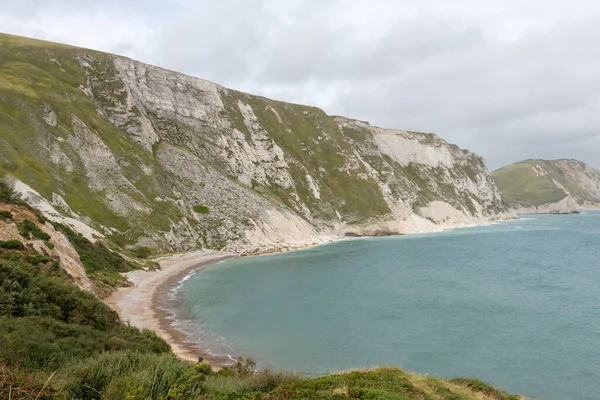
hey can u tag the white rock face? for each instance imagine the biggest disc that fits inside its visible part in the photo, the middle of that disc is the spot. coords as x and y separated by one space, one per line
35 200
406 147
565 206
49 115
439 212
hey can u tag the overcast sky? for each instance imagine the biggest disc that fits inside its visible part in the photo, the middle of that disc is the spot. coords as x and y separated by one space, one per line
508 79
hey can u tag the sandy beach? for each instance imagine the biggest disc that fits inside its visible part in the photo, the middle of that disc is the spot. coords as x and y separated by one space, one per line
136 305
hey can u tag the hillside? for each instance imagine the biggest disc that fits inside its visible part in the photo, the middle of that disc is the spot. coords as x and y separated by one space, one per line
59 341
559 186
156 161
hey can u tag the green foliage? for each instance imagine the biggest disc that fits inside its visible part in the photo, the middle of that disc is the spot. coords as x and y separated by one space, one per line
28 229
40 258
142 252
520 184
5 214
12 245
201 209
379 383
42 343
102 265
46 321
133 375
7 195
42 290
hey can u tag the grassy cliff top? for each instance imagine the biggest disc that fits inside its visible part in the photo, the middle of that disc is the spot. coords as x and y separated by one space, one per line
520 183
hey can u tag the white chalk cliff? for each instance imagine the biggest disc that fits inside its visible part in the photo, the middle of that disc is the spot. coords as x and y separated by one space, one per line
148 157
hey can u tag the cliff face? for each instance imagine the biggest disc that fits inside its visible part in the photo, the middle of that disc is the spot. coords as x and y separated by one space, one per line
554 187
153 158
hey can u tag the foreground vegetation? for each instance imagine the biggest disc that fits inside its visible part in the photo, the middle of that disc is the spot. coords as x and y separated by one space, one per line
58 341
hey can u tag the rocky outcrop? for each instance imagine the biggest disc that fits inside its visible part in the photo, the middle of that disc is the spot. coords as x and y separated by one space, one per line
154 158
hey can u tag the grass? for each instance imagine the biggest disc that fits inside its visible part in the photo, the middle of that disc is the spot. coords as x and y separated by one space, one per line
30 79
520 184
131 375
201 209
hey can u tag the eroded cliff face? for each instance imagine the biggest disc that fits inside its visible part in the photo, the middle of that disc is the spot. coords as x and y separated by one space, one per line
153 158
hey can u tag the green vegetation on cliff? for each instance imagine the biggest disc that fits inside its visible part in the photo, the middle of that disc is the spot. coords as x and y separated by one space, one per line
521 184
537 182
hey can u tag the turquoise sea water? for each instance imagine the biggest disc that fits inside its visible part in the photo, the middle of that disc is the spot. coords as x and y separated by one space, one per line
516 304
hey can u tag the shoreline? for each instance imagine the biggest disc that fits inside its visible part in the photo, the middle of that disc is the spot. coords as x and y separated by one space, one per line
139 304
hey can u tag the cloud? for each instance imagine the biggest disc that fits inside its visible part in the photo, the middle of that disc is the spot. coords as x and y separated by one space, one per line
507 79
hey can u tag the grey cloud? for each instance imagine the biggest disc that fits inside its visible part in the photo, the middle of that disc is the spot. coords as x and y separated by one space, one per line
506 79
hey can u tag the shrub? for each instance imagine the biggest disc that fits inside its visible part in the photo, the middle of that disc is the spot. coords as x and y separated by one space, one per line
46 321
5 215
96 257
7 195
201 209
12 245
40 258
45 343
142 252
23 292
27 229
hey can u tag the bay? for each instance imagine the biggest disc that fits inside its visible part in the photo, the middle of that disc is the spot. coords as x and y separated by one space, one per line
516 304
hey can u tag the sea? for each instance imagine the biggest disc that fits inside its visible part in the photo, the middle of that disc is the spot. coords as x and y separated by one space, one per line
515 304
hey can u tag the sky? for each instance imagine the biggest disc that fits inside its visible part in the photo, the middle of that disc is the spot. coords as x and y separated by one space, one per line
507 79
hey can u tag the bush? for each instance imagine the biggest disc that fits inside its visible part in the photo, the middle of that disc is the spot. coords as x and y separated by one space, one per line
7 195
46 321
25 293
28 229
48 344
201 209
5 215
12 245
96 257
142 252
